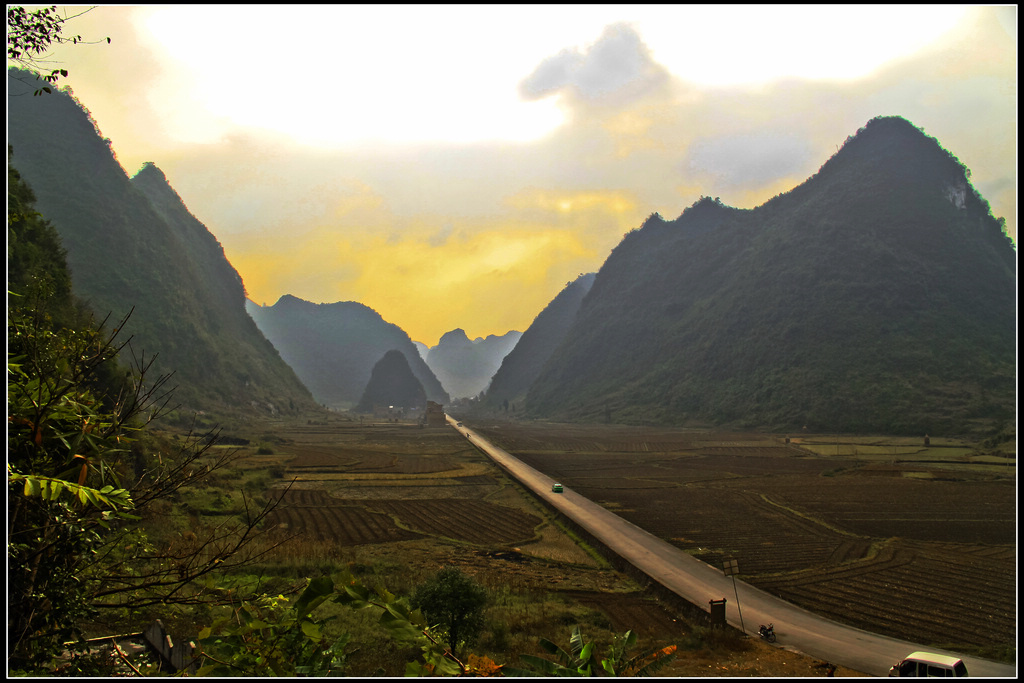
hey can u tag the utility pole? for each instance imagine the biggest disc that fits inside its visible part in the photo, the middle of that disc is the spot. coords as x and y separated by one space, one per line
732 568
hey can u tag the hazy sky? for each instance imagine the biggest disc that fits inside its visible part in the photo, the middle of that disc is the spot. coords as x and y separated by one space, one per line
455 166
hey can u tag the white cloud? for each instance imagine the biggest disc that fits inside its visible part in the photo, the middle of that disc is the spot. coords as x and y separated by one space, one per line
748 158
617 67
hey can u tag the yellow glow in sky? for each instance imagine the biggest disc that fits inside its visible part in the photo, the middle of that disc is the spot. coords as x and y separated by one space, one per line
454 166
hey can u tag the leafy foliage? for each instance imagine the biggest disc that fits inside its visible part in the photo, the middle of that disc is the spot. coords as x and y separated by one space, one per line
35 257
455 603
265 637
582 659
62 439
31 34
271 638
79 477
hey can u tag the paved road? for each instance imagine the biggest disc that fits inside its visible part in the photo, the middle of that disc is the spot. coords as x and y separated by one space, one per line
699 583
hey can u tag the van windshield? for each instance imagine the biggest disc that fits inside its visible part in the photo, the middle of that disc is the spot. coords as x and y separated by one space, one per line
959 669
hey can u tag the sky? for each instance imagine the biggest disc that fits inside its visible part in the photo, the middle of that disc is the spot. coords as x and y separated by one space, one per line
457 166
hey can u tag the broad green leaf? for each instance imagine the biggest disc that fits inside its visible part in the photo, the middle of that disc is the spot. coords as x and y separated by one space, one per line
31 486
358 592
311 630
318 590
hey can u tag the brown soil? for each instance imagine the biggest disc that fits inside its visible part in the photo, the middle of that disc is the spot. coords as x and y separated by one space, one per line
916 546
421 498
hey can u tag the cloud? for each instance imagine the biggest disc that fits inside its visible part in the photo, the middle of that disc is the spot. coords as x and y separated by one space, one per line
617 68
749 158
432 233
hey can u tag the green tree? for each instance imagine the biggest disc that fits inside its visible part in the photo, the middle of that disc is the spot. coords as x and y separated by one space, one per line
30 35
269 637
455 602
78 475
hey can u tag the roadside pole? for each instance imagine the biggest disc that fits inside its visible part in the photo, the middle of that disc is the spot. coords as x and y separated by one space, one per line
732 568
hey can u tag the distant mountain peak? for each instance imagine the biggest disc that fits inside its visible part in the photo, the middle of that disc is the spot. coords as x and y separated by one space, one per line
897 147
456 336
465 367
392 384
150 169
334 346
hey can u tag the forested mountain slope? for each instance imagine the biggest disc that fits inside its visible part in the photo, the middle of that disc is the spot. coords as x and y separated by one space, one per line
132 244
334 347
877 296
523 364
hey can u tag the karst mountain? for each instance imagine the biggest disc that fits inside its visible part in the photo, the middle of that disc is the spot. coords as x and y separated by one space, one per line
465 366
877 296
392 386
334 347
133 246
524 363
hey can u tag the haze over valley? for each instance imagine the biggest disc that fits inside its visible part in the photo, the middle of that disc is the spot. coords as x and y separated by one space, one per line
459 162
840 301
302 352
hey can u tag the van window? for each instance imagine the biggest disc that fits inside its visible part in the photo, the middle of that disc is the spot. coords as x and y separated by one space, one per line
909 669
939 671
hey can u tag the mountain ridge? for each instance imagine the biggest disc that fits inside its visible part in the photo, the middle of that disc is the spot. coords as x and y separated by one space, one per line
825 306
132 245
333 347
523 364
465 367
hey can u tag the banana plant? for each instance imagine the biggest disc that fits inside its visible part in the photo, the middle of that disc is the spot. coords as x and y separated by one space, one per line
582 659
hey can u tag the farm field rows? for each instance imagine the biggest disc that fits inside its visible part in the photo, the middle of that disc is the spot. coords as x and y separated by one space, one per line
884 540
396 495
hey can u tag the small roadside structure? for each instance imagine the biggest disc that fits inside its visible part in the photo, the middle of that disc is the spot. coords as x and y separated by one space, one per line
434 415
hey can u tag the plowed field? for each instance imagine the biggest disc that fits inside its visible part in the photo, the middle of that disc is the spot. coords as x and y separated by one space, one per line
902 540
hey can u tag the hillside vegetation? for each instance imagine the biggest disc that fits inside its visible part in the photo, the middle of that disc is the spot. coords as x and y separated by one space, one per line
133 246
523 364
878 296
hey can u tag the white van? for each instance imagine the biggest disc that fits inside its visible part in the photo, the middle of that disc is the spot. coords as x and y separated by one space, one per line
921 664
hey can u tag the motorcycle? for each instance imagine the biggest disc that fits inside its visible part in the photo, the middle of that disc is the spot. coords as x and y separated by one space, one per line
767 632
